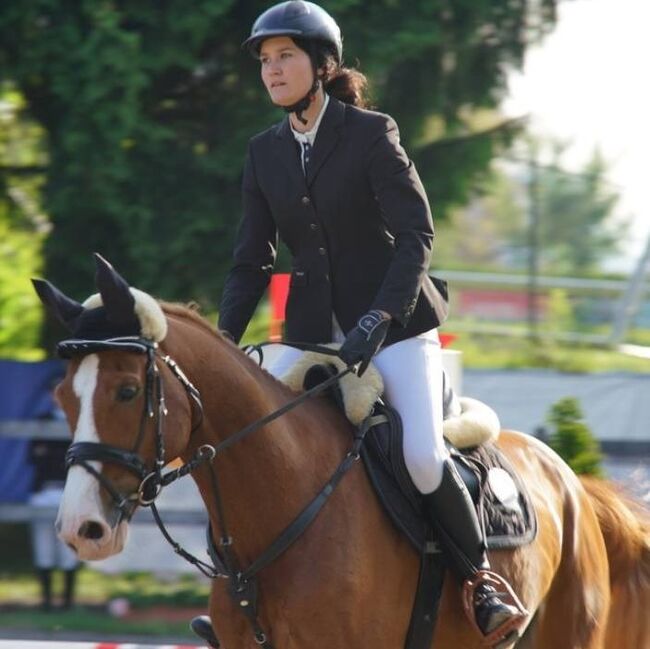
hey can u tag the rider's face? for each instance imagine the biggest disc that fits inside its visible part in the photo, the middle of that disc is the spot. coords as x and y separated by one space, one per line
286 70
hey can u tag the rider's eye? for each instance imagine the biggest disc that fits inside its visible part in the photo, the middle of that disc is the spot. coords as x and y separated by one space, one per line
127 392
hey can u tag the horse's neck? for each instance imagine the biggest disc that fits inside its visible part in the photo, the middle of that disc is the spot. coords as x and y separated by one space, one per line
268 477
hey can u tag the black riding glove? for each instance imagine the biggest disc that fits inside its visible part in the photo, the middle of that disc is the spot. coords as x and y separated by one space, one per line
364 341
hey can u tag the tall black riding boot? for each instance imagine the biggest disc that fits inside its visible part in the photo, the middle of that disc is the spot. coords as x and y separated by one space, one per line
45 580
202 626
69 581
453 516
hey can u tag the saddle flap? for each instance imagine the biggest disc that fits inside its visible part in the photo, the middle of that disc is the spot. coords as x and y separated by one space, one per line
506 525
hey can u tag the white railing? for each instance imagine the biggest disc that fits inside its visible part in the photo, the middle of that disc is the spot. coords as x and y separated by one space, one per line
47 429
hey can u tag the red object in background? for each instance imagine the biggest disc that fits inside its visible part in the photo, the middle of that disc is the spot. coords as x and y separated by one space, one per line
503 306
446 339
278 293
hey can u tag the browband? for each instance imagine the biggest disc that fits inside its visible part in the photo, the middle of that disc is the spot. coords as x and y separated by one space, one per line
75 347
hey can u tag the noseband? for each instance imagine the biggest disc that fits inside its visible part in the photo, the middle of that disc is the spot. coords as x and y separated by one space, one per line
152 479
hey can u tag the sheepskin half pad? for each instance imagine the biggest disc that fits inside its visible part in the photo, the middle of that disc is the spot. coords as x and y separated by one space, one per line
476 424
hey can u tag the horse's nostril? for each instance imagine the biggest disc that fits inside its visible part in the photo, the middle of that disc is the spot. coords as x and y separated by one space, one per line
91 530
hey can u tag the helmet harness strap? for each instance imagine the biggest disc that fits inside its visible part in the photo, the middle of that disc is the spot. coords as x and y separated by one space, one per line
303 104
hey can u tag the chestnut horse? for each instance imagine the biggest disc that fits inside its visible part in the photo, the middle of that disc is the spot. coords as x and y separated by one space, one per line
348 581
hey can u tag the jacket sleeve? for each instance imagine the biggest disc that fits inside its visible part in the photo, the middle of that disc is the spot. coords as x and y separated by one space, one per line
405 208
253 257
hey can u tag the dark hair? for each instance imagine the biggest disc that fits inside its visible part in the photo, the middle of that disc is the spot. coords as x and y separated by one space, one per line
348 85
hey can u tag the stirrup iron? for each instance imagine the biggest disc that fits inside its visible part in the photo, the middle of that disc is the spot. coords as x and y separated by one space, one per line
506 631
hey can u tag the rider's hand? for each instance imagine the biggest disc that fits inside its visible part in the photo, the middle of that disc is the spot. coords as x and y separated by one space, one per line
364 341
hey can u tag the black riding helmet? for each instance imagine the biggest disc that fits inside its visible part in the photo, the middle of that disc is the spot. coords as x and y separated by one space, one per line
306 23
296 18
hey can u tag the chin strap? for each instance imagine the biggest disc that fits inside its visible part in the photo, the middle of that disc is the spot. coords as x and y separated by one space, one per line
303 104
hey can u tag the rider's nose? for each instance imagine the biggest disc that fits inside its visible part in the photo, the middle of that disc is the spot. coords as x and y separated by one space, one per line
93 530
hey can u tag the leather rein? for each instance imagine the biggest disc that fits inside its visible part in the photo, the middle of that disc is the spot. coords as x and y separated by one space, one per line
242 582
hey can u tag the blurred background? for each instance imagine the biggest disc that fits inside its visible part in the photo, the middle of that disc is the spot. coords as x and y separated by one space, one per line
123 128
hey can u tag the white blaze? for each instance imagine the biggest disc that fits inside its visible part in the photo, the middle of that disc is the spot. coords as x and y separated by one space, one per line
81 495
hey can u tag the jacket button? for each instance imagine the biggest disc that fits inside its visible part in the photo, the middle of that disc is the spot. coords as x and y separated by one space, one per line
322 251
305 200
313 226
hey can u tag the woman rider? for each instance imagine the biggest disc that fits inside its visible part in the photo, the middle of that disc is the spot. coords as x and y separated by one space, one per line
334 182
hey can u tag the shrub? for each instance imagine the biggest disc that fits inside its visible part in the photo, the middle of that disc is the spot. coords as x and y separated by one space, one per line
572 439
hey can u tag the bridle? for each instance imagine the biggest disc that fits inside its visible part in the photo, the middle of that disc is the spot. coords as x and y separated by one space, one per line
152 479
243 581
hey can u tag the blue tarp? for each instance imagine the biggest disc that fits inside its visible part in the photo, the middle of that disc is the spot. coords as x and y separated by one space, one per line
25 393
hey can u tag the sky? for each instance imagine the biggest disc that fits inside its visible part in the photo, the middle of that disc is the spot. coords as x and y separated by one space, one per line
589 82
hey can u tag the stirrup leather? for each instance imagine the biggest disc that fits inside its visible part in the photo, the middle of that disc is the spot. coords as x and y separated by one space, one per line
506 595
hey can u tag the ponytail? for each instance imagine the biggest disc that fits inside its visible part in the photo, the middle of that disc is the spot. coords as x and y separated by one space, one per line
345 84
349 86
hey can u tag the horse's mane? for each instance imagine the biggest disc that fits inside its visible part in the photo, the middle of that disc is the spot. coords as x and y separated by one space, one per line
191 312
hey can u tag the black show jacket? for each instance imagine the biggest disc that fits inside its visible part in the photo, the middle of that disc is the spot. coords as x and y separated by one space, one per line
358 227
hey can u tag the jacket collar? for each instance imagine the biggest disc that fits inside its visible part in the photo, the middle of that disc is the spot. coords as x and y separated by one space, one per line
329 133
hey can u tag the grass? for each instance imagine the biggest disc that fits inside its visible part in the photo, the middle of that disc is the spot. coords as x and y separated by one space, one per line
92 621
489 352
178 598
171 604
95 588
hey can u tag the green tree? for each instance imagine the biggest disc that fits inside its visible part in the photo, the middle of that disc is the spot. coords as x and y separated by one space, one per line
478 234
576 228
147 109
572 440
22 227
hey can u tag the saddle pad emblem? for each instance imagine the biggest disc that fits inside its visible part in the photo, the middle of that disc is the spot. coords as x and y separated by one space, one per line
504 489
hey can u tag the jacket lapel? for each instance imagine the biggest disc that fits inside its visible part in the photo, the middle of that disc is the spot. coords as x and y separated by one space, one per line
329 133
288 152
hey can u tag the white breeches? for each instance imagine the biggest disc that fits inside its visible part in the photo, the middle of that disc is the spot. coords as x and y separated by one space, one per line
412 374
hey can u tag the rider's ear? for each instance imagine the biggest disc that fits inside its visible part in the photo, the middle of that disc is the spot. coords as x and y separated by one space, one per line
64 309
116 296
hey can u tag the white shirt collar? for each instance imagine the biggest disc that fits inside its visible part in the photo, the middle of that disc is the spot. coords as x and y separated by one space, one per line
310 135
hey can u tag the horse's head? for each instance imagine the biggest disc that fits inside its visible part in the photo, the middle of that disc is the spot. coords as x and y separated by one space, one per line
115 397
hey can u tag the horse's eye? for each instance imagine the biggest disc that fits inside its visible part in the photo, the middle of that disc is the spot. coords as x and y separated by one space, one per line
127 392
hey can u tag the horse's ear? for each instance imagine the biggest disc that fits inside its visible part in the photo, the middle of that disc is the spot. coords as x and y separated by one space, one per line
64 309
116 296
